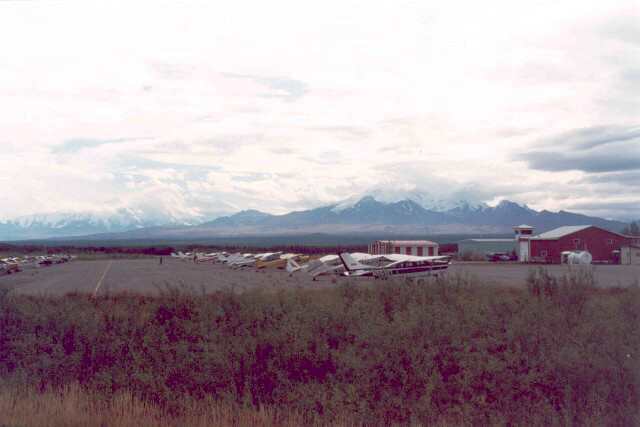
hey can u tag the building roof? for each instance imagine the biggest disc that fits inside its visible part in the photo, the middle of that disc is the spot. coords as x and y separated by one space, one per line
489 240
560 232
409 242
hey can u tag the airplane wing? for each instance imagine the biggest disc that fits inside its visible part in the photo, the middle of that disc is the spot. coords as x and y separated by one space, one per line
324 269
399 259
414 258
328 258
351 263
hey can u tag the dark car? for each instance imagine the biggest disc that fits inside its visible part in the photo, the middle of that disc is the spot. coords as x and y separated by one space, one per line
498 256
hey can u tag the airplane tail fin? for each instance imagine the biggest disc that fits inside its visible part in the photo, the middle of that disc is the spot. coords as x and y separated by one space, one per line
292 266
351 264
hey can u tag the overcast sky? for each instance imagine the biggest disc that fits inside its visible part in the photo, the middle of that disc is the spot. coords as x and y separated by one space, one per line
200 107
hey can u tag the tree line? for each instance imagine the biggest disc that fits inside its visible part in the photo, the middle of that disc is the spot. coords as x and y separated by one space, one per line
633 229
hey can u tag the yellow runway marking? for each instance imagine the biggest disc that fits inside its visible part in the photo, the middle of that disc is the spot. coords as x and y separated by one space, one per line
106 270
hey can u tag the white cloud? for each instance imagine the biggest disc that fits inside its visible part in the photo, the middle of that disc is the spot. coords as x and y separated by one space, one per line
205 107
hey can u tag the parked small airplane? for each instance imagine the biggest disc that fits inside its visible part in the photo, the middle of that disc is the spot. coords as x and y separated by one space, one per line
45 262
182 256
240 260
8 267
292 266
268 256
281 262
400 265
200 257
329 264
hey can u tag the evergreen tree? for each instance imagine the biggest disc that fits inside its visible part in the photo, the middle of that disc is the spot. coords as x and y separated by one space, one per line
633 229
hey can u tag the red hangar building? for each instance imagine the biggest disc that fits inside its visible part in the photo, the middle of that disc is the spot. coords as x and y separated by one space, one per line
405 247
600 243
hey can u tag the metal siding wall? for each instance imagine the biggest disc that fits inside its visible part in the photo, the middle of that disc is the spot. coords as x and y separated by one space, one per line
633 256
553 251
593 240
486 247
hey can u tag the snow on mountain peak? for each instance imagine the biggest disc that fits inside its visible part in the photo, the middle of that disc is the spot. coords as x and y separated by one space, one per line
106 220
424 199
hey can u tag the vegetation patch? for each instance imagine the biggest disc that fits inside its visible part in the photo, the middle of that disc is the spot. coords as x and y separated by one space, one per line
448 351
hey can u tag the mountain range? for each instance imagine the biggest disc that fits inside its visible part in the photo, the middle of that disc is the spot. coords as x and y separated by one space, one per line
61 224
359 215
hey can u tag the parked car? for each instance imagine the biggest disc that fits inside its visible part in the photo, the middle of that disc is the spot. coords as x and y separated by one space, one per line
499 256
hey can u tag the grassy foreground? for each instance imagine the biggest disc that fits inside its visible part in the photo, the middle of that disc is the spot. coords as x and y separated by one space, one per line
441 352
72 407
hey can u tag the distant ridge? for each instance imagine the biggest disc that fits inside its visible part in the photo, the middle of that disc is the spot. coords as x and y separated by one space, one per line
62 224
368 215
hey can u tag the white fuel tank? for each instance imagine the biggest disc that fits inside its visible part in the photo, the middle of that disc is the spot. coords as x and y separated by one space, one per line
580 257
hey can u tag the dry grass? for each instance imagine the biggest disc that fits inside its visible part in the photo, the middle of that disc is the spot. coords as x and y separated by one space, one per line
72 406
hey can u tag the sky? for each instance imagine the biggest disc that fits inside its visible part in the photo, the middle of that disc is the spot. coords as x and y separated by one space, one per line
207 108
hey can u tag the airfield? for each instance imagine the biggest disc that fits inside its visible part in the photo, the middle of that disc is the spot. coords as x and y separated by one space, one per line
147 275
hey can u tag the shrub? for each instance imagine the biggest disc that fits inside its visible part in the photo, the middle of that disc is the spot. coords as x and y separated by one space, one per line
446 351
471 256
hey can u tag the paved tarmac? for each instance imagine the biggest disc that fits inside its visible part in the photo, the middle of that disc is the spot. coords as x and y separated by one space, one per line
147 275
514 274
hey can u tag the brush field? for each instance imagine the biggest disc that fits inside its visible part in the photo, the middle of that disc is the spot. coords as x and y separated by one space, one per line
558 352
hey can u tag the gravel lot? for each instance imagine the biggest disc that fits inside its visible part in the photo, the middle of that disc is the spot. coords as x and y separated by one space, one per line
514 274
146 275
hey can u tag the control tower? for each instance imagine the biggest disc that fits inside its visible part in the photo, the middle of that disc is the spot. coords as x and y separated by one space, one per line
523 234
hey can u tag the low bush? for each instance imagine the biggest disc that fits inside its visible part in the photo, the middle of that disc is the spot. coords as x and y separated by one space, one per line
471 256
440 351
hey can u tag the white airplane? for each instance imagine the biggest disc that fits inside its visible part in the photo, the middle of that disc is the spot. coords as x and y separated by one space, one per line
399 265
45 261
292 266
207 257
182 256
247 262
240 260
8 266
325 265
269 256
221 257
226 258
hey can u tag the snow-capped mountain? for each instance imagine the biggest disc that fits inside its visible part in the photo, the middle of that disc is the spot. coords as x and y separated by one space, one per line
429 201
41 226
416 214
242 218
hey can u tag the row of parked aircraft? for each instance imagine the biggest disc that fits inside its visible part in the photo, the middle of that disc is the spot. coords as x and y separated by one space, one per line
17 264
345 264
